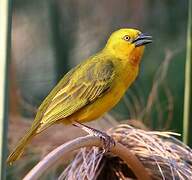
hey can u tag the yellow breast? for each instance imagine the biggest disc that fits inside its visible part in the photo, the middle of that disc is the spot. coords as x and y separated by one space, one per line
108 100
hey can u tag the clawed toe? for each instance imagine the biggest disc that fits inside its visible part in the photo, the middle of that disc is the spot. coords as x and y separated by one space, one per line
108 141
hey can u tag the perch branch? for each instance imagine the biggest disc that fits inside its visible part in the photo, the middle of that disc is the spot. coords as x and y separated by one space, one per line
66 149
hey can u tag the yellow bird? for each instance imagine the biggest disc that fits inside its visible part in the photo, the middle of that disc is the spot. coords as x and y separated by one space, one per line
90 89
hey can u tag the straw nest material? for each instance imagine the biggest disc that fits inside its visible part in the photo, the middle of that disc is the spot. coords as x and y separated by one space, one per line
163 156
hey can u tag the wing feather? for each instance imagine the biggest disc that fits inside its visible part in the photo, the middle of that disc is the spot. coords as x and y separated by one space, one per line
84 89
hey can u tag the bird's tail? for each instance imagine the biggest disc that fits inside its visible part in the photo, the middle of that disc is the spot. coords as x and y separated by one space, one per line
18 151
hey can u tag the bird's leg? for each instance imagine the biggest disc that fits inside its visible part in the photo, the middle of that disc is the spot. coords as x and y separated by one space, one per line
108 141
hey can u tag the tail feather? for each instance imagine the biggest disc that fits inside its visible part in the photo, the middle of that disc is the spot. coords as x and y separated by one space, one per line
18 151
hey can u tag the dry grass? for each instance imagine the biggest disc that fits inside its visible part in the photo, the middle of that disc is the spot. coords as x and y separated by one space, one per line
163 156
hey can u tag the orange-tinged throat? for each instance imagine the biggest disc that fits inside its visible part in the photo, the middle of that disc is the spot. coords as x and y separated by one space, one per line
136 55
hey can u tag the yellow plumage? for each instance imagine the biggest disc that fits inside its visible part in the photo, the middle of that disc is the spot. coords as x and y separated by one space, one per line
91 88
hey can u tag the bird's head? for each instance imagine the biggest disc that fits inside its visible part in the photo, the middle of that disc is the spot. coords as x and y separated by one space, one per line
128 44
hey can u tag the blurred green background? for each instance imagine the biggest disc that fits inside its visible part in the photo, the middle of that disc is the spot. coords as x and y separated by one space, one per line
50 37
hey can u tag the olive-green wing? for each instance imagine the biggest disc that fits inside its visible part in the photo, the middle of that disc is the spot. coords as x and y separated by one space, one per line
45 104
86 85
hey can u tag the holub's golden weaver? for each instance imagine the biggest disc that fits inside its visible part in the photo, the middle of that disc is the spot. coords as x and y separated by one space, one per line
92 88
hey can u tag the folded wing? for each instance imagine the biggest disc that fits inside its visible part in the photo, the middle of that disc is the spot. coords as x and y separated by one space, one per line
85 85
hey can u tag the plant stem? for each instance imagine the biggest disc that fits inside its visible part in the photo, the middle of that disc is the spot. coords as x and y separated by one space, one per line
63 153
5 38
187 117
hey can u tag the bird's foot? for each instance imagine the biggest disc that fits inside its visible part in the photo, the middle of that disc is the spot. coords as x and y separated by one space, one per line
108 141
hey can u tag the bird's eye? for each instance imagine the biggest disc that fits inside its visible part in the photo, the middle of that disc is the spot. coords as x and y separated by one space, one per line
126 38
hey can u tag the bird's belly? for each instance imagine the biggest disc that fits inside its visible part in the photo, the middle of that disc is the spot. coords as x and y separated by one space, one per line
100 106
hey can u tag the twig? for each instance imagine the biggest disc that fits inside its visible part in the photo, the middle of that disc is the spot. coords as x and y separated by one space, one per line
157 81
66 149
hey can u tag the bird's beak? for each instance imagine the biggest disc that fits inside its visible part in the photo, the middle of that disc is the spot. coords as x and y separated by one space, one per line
142 39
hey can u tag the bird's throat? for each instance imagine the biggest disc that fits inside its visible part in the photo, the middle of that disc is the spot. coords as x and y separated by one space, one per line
136 55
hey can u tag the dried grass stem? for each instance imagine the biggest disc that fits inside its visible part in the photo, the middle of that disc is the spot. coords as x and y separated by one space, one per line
64 151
